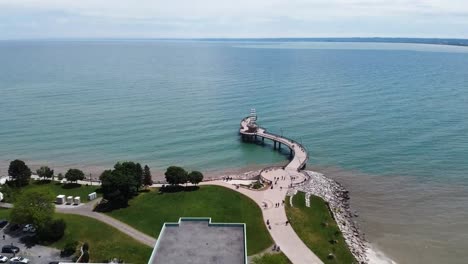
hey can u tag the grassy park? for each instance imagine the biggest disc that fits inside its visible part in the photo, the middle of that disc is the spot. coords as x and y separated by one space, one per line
104 241
101 239
149 211
271 258
315 226
56 188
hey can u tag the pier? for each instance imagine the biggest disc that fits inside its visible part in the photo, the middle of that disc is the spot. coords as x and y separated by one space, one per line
298 154
281 179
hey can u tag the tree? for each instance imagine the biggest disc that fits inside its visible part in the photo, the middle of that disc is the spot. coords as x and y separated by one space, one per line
33 207
45 172
20 172
122 183
176 175
52 231
147 180
132 169
195 177
8 193
74 175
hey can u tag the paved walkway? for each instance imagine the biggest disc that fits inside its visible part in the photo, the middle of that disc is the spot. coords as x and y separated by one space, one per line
87 210
282 178
284 236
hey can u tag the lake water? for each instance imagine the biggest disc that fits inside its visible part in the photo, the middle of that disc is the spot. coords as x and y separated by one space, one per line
387 120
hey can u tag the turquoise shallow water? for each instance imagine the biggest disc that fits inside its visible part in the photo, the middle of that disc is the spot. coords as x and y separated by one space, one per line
380 111
388 112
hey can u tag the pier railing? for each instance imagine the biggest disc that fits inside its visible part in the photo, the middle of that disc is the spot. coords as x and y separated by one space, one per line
289 142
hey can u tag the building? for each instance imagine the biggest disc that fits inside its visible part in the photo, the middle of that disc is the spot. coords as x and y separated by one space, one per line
198 240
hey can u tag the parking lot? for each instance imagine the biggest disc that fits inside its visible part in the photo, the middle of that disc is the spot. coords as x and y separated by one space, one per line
36 254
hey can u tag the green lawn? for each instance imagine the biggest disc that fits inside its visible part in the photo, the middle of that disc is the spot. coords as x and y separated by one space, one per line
4 213
271 258
57 188
148 212
104 241
316 228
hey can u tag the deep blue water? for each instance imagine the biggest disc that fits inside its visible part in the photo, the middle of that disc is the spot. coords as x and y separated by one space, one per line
396 110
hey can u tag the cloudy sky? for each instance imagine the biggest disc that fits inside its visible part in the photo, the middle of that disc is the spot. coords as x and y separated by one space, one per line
30 19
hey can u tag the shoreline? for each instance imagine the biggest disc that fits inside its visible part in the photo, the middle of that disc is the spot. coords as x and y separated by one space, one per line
336 195
387 206
318 184
338 199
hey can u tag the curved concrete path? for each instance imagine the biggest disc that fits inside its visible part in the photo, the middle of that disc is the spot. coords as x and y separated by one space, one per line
87 210
281 178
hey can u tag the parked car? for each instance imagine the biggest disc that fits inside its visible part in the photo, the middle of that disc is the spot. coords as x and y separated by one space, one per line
3 259
29 228
10 249
19 260
3 223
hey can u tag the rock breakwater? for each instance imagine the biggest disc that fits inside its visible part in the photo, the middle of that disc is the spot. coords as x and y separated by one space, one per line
337 198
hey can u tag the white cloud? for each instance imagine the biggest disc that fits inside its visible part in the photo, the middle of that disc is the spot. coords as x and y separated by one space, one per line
256 17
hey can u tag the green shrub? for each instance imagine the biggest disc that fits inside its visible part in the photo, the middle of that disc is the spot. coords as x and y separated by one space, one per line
85 257
257 185
8 193
53 231
85 246
69 249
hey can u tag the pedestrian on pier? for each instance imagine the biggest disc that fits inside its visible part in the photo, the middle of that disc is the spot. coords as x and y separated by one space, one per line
287 222
268 222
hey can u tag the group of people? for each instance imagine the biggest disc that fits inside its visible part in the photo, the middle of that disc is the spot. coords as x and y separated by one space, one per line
280 178
269 226
278 204
275 181
276 248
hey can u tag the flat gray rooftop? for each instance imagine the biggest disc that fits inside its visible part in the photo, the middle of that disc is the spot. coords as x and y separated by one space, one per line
198 242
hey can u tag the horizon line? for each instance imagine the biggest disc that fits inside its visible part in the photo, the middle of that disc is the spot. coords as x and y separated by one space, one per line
239 38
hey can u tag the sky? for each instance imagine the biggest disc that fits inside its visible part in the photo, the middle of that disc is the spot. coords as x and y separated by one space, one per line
39 19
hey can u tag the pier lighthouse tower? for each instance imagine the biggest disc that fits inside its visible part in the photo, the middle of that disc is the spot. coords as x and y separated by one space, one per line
252 125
